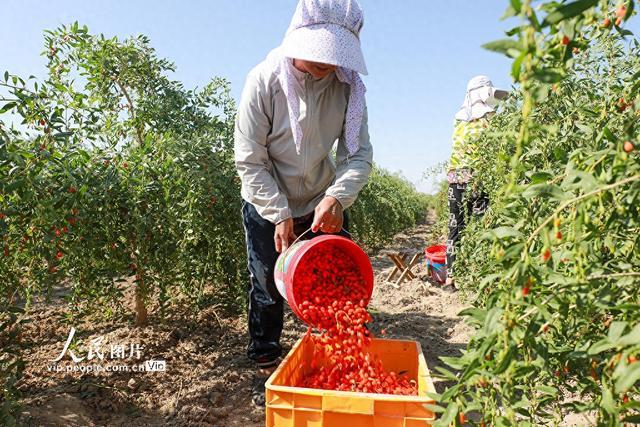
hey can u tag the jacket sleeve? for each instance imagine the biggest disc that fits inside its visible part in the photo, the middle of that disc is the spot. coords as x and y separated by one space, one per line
353 171
252 126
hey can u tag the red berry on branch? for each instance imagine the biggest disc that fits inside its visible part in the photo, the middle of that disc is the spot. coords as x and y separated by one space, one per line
525 291
72 189
565 40
628 146
621 12
622 105
546 255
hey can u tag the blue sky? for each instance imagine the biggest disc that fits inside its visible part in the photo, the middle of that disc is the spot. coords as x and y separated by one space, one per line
419 53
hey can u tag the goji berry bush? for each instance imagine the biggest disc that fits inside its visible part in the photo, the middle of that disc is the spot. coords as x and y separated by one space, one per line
113 175
554 266
387 205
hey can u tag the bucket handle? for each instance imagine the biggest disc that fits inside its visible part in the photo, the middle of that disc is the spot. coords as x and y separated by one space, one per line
306 231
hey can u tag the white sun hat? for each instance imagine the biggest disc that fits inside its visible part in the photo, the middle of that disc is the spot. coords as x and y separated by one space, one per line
481 98
328 32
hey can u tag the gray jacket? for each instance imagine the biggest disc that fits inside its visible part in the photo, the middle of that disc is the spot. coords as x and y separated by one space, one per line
280 183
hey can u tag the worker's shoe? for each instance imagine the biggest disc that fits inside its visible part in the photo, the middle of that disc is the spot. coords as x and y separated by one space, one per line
451 282
258 389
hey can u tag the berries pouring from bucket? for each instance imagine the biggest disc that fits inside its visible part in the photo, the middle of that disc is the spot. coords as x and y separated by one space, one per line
333 298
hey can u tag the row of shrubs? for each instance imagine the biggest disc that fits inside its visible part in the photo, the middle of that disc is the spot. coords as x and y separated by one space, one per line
110 170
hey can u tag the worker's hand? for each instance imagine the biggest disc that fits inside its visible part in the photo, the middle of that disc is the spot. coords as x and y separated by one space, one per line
328 216
284 234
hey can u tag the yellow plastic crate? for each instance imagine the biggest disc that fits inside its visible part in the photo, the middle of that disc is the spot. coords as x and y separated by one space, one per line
289 406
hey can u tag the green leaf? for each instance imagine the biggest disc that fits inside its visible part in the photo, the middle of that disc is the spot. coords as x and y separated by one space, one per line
450 392
540 177
448 416
492 321
615 330
545 389
546 190
435 396
453 362
600 346
8 106
434 408
502 46
632 338
508 13
516 67
501 233
607 401
628 378
608 134
476 313
567 11
548 75
14 185
446 373
62 135
505 362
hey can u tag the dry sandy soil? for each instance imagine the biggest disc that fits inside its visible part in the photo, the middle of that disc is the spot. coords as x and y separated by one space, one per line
207 377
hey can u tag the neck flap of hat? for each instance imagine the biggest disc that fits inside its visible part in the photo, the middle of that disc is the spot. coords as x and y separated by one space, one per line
479 90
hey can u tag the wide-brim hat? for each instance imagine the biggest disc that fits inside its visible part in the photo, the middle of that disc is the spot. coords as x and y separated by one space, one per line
326 43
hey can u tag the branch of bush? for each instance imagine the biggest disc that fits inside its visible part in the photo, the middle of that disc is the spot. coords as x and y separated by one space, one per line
578 199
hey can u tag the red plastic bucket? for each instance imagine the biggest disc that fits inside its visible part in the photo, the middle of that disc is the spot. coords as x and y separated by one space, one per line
288 261
436 258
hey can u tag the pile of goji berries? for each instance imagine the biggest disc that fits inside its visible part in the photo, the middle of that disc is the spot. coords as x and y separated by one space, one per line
332 297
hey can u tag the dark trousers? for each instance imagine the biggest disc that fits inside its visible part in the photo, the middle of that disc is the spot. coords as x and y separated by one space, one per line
476 204
265 302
